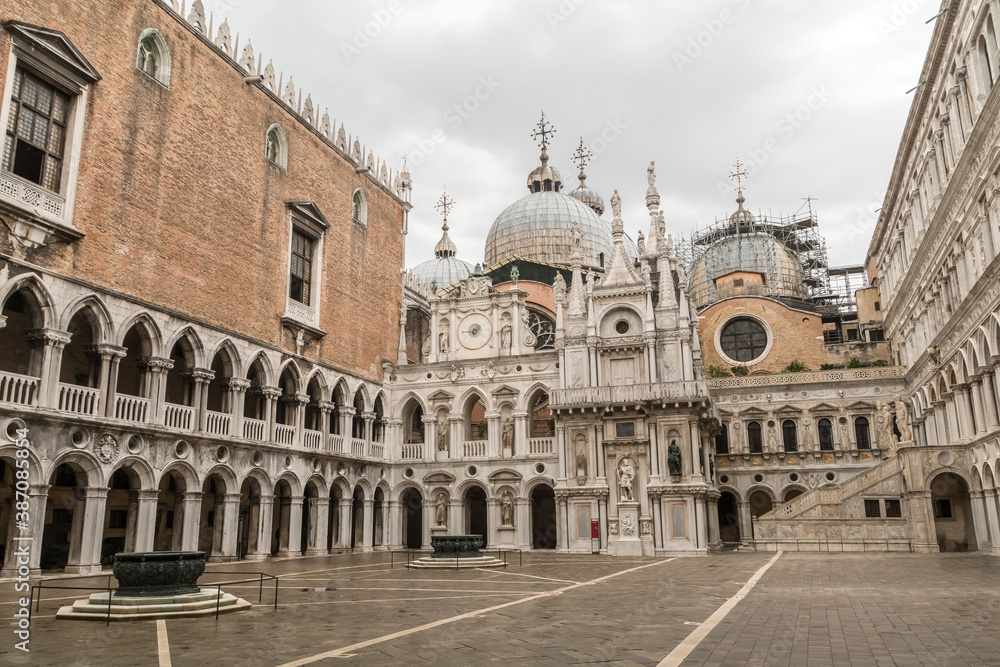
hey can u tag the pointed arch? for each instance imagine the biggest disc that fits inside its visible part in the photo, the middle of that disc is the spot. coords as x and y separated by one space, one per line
186 471
362 392
290 377
341 394
148 332
189 339
97 314
317 381
259 363
231 361
39 298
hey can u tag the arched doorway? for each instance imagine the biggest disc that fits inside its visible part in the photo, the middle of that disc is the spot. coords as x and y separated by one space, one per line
543 517
476 522
358 519
413 519
310 519
791 494
333 520
249 525
729 518
211 519
952 513
120 516
378 518
760 503
64 519
169 528
281 521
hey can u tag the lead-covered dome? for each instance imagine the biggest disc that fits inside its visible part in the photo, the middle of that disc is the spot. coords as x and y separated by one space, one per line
782 275
540 227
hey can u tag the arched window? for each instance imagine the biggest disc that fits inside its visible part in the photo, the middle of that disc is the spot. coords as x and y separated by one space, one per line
722 440
861 433
543 329
153 57
985 67
825 435
789 436
359 208
754 438
276 147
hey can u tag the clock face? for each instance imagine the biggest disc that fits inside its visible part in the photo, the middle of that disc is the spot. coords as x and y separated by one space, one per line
475 331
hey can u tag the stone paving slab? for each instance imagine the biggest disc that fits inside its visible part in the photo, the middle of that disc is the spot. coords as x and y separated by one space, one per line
808 609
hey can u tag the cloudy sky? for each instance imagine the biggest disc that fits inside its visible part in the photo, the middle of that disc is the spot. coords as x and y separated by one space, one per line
812 95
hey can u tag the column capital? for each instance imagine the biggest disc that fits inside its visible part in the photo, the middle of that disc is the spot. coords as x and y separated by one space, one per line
107 351
235 384
191 496
326 406
346 411
298 399
50 337
428 420
156 364
199 374
492 416
268 392
367 414
983 371
455 419
146 494
519 415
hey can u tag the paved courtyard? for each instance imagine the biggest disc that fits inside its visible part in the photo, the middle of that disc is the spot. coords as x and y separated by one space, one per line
806 609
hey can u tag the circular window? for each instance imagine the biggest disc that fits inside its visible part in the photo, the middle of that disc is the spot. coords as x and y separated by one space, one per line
794 476
539 468
743 339
288 461
770 423
222 454
543 329
134 445
408 473
341 469
257 459
429 376
471 471
758 478
724 479
80 438
830 476
842 420
622 327
518 369
12 427
181 449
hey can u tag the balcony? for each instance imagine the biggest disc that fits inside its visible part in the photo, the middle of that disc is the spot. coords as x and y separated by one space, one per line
661 392
412 451
541 445
178 416
218 423
284 434
358 447
18 389
80 400
335 444
253 429
376 449
311 439
473 448
132 408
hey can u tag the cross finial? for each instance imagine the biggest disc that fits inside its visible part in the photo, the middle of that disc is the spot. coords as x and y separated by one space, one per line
444 205
738 175
543 133
582 156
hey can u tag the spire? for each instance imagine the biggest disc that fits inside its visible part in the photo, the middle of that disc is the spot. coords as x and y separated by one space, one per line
582 157
544 178
445 247
542 134
621 271
741 215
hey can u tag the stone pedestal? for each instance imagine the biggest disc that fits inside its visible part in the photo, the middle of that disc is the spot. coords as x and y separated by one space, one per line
438 531
507 536
628 543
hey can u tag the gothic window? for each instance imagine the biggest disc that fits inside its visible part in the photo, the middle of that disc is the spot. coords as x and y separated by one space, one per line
754 438
153 56
789 436
301 266
743 339
543 329
825 435
276 147
985 67
36 130
359 208
861 433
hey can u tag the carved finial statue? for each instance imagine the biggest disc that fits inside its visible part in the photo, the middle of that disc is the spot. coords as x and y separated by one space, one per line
581 464
651 174
886 435
440 507
505 335
559 287
616 206
626 473
515 273
674 459
577 236
507 509
443 342
507 434
903 421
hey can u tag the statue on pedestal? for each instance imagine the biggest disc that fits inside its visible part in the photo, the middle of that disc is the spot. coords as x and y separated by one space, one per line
507 509
507 434
440 510
674 459
581 464
903 421
442 436
505 336
886 435
626 473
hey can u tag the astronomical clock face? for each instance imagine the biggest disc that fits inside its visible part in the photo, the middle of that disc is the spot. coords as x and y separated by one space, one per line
475 331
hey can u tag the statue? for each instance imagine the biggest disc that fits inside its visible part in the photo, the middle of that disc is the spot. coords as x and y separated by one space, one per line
515 273
507 509
581 464
559 288
651 174
505 332
443 342
507 434
674 459
903 421
886 436
442 436
807 435
439 509
626 473
577 236
616 205
845 436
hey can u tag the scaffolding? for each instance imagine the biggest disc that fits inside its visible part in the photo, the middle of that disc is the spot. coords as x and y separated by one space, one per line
751 240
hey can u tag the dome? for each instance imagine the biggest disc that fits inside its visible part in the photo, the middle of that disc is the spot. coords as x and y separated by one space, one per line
442 271
741 216
539 227
544 178
589 197
783 276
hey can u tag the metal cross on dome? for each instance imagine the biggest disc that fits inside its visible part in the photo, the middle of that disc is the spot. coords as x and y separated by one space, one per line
739 174
582 156
444 204
544 131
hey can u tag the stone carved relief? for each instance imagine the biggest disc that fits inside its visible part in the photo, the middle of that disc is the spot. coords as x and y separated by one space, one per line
628 526
106 447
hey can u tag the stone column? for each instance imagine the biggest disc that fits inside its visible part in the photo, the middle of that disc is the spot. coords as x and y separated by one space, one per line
369 418
941 422
695 455
456 436
230 515
271 396
602 521
521 435
561 449
319 523
522 522
600 460
295 525
237 388
746 522
346 422
978 410
995 376
963 408
265 524
493 444
984 536
658 528
955 431
108 380
87 531
654 452
989 398
325 408
190 519
562 529
701 522
990 497
155 381
428 510
46 366
714 538
37 497
366 541
142 519
201 378
922 519
393 524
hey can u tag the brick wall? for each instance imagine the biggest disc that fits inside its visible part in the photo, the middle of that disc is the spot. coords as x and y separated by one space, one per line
180 208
